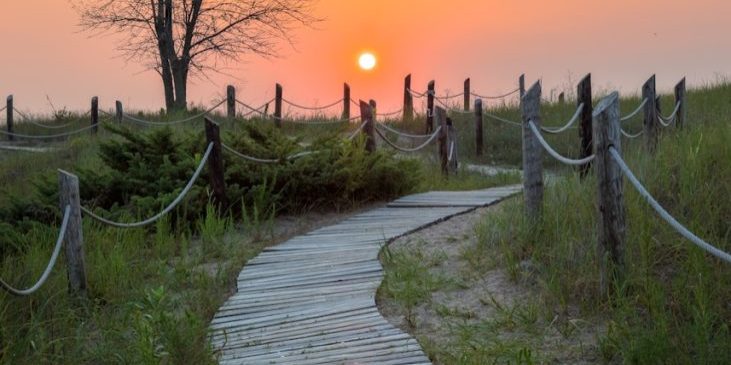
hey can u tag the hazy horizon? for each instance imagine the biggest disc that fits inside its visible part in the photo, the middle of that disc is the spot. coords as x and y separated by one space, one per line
492 42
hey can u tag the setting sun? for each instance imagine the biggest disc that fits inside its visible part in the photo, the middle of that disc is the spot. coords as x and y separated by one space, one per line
367 61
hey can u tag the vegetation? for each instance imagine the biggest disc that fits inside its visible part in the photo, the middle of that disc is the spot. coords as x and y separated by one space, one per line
153 290
672 306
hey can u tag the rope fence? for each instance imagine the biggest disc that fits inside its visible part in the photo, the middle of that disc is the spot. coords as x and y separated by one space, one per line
568 124
552 152
188 119
313 107
51 263
406 149
634 112
664 213
167 209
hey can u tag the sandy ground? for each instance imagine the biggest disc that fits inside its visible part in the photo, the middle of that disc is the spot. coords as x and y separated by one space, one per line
481 297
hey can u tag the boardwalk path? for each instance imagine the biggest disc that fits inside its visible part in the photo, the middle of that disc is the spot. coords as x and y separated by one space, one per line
311 300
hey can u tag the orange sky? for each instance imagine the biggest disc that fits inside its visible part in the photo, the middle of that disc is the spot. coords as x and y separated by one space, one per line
621 42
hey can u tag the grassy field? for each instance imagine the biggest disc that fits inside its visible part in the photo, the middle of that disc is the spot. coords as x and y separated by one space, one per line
673 305
152 290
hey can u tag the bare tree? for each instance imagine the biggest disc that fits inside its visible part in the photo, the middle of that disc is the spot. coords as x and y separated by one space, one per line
177 37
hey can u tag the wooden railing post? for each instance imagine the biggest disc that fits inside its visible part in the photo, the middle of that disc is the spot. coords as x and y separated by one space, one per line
561 98
441 118
680 98
94 114
408 100
231 102
215 165
119 111
521 84
367 115
583 96
650 110
278 106
610 196
532 153
374 109
452 159
478 127
74 237
467 94
430 107
9 117
346 102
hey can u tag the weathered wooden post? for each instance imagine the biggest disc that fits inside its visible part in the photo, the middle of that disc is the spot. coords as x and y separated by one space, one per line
650 110
452 159
680 98
561 98
430 107
231 102
478 127
346 102
583 96
408 100
119 111
94 114
441 118
74 237
521 84
610 196
532 153
367 116
215 165
9 117
278 106
467 94
374 110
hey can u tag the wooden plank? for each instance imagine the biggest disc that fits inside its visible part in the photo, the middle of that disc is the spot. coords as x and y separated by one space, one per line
311 299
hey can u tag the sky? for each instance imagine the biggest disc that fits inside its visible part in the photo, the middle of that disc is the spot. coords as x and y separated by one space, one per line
46 56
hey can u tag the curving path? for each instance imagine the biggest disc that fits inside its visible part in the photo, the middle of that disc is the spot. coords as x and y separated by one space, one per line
311 300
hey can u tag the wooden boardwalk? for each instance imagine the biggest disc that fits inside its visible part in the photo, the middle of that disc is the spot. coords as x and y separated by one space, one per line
311 300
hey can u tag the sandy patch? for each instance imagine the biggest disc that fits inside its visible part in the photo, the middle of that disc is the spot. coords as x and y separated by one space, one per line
482 311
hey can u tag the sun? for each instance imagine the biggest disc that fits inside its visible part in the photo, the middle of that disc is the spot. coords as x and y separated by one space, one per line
367 61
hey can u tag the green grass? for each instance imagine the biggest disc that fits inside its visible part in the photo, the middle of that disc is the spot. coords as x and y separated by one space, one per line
672 307
152 290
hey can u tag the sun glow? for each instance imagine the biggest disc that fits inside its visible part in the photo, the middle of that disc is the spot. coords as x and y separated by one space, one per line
367 61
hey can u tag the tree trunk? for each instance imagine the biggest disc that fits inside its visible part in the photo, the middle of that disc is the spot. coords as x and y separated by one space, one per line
180 78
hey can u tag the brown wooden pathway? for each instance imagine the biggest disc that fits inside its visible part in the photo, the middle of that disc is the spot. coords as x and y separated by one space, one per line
311 300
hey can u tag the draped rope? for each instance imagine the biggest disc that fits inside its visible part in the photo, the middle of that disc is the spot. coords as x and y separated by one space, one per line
49 267
310 107
553 152
167 209
496 96
507 121
404 149
404 134
47 136
631 136
147 122
664 213
568 124
634 112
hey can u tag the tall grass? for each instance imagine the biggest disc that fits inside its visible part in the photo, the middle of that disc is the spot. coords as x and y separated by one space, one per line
672 306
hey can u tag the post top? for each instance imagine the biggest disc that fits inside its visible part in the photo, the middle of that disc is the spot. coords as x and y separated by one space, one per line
586 78
207 119
66 173
534 91
606 103
10 97
431 83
